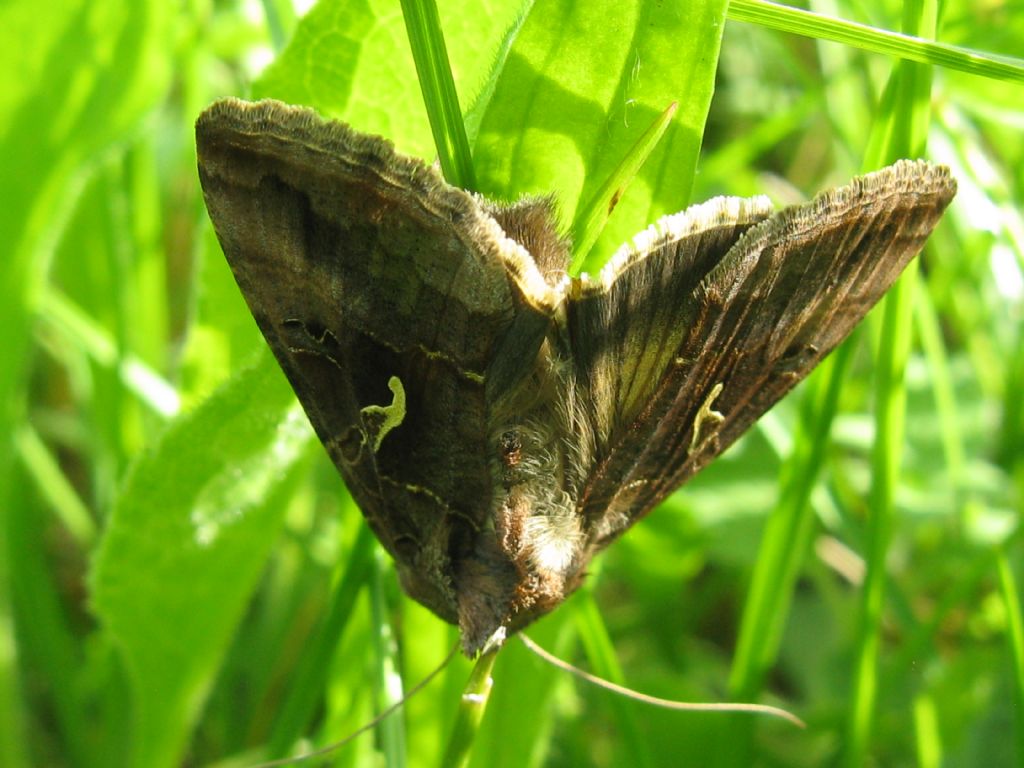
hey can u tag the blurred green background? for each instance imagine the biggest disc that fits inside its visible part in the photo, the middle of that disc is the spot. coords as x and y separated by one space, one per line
183 580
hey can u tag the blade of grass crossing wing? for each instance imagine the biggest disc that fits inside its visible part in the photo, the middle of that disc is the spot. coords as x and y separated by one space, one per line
903 124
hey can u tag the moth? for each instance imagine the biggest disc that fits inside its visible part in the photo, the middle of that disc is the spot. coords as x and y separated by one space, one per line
497 421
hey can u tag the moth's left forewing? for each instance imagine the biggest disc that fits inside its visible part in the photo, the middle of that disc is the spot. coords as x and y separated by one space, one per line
729 344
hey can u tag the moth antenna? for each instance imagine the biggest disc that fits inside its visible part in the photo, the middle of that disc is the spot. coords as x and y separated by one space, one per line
363 728
683 706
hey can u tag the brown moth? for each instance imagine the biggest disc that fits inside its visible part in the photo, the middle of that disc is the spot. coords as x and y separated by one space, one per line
497 421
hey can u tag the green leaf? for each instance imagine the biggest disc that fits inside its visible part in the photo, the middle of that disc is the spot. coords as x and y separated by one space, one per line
1015 642
185 544
552 120
581 84
351 60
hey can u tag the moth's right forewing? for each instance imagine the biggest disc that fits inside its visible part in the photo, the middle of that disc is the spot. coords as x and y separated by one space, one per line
795 286
721 350
626 329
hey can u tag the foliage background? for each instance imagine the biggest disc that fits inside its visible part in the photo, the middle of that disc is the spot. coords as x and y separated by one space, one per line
173 537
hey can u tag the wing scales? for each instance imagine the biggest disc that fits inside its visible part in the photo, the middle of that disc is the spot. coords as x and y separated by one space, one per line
756 322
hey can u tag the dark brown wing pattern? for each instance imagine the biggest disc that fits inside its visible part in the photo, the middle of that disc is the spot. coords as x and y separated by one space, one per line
384 294
696 348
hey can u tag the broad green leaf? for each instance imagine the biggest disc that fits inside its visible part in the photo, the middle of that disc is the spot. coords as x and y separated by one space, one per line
581 84
351 60
185 545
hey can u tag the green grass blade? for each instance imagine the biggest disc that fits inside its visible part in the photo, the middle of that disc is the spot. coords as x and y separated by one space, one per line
1011 433
45 628
435 77
478 107
922 50
929 331
13 744
783 549
901 132
1015 641
890 405
927 733
53 485
471 711
387 680
306 685
594 215
788 531
600 653
57 311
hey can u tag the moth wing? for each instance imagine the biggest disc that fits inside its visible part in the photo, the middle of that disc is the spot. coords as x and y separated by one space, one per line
713 349
391 301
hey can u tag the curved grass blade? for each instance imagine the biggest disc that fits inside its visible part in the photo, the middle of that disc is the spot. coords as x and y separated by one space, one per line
442 102
594 215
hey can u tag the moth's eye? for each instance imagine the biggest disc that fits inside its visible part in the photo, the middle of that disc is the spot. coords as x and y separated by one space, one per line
511 448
